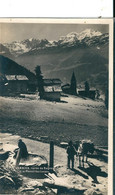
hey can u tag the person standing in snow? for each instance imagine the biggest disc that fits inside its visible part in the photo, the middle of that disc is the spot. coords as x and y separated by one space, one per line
71 151
22 151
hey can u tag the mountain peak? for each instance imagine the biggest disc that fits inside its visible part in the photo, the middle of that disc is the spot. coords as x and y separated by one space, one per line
30 39
74 36
89 33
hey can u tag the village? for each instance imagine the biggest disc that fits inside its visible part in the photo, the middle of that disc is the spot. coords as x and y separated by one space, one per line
49 89
54 109
16 89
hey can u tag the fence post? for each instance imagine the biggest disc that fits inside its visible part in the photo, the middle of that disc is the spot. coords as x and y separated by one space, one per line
51 163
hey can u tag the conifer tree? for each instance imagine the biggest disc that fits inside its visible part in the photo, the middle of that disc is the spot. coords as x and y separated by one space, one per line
87 88
73 84
39 78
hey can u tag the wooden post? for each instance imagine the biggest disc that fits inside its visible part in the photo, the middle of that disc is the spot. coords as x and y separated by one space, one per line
51 163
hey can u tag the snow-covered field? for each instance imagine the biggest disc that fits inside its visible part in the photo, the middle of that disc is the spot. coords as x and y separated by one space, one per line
72 118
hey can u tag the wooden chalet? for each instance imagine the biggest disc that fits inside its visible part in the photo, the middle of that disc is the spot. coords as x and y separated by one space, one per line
52 89
16 84
91 94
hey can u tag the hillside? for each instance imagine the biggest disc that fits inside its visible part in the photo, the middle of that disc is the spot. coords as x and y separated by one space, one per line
5 51
86 63
72 118
9 67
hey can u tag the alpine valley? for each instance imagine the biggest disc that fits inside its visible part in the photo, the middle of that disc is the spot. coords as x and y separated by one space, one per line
86 53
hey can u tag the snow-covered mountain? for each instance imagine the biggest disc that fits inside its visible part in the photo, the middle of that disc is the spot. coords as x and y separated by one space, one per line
20 47
85 38
86 53
5 51
80 36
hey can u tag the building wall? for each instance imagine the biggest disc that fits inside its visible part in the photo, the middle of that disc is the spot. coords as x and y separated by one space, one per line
52 96
17 86
52 88
91 94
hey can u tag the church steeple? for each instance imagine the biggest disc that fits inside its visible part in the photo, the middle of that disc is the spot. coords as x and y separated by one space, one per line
73 84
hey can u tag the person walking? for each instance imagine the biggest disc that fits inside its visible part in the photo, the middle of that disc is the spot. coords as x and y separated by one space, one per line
71 151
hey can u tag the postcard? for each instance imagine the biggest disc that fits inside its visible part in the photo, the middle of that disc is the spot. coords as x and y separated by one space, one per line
56 105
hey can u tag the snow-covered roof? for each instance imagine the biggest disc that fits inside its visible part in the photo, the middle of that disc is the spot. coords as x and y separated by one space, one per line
52 89
52 81
16 77
91 89
66 86
86 141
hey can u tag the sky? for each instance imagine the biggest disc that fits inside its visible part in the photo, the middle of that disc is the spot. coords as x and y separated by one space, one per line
19 31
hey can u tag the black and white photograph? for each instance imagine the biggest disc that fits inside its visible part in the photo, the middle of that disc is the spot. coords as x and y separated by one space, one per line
55 106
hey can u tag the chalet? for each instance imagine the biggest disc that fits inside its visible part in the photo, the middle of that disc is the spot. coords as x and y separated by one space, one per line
91 93
52 89
16 84
66 88
71 88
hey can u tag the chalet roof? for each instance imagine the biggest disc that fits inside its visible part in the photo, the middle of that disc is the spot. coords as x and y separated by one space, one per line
51 82
91 89
66 86
52 89
16 77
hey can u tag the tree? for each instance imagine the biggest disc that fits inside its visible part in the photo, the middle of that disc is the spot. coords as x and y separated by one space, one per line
73 84
87 88
39 78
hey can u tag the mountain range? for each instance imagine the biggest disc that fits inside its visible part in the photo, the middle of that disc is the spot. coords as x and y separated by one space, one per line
86 38
85 53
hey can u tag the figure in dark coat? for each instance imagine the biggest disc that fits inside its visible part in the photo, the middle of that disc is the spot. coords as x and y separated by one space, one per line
23 149
22 152
71 151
